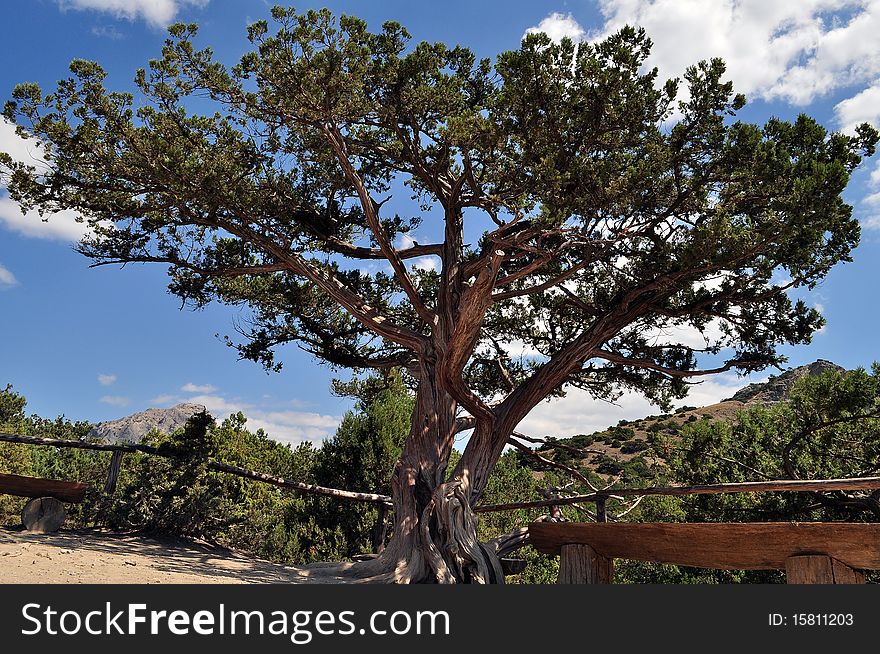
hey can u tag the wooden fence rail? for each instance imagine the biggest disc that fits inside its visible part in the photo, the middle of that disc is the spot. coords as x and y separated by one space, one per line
810 485
281 482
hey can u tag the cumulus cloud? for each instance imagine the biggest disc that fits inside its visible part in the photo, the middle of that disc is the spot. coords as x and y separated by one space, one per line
428 264
58 226
189 387
871 202
106 380
61 225
281 425
579 413
24 150
7 279
115 400
294 426
875 175
871 222
557 26
792 51
158 13
864 107
796 51
686 335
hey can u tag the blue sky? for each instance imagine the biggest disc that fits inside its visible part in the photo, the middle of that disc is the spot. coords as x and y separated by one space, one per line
101 343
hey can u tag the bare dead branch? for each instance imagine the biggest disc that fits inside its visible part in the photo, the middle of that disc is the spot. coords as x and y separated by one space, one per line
553 464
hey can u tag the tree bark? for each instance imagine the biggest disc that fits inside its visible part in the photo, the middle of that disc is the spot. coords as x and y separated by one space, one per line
435 528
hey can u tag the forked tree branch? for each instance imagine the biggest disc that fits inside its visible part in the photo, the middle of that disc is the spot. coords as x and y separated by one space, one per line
337 142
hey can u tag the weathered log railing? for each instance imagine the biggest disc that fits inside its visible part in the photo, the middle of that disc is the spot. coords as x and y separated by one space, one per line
599 498
65 491
809 485
211 464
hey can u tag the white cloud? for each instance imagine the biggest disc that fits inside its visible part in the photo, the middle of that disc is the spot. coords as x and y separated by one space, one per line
872 202
405 241
687 335
427 264
195 388
158 13
59 226
218 405
871 222
107 32
517 349
24 150
579 413
794 51
284 426
106 380
557 26
864 107
875 175
115 400
7 279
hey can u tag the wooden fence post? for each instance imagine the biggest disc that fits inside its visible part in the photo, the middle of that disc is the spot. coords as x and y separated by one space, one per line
601 513
580 564
113 473
380 529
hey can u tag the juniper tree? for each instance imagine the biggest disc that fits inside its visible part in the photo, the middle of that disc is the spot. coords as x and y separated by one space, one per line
582 221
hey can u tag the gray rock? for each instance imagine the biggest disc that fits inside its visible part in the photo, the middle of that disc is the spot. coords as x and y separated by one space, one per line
779 387
133 428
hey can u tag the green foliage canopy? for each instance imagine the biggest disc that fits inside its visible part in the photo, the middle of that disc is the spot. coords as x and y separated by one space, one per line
613 209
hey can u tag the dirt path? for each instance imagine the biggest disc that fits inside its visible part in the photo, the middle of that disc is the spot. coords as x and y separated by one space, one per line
95 557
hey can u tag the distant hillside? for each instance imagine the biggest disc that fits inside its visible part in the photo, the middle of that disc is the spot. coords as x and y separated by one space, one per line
133 428
638 445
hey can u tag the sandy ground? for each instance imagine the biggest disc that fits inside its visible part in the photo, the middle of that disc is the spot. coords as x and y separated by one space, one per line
95 557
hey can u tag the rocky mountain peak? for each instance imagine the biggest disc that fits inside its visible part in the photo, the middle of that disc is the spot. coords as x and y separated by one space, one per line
133 428
778 388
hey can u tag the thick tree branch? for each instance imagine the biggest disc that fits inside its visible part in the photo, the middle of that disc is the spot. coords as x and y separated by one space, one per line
331 284
360 252
455 353
337 141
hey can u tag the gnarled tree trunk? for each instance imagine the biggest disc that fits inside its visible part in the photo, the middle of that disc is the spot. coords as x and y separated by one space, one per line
435 529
